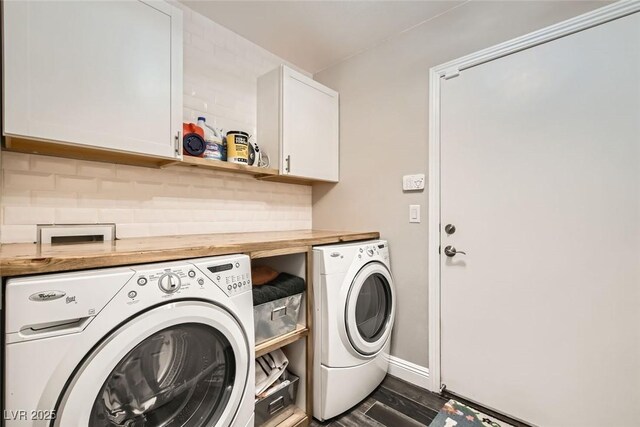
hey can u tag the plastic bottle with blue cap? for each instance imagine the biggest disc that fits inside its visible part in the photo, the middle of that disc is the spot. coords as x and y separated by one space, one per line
214 139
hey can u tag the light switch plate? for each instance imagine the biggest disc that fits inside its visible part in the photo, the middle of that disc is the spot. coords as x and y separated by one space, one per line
414 213
413 182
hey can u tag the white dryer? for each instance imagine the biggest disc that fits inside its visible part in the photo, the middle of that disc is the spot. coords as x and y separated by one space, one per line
168 344
353 318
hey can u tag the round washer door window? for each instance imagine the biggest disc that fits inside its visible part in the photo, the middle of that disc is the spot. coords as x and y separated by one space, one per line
180 376
181 364
370 309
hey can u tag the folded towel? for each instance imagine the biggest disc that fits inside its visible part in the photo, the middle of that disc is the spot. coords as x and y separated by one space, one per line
269 368
283 286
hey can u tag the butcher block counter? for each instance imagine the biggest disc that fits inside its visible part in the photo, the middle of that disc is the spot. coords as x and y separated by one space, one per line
21 259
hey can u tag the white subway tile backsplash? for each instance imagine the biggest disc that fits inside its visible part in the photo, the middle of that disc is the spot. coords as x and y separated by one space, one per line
148 190
118 216
52 198
118 188
27 180
76 183
220 83
28 215
124 231
12 197
15 161
95 169
55 165
76 216
18 233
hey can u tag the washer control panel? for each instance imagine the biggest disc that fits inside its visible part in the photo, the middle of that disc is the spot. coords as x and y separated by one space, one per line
231 277
232 274
169 283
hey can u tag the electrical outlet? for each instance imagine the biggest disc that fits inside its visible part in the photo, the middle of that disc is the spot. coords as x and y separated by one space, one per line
413 182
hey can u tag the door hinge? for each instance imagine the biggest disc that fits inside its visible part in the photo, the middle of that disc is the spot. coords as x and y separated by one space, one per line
177 144
288 166
451 73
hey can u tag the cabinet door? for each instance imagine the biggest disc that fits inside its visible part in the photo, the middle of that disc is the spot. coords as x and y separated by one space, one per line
106 74
310 146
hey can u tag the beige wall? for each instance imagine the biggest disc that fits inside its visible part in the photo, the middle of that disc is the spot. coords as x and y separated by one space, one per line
384 135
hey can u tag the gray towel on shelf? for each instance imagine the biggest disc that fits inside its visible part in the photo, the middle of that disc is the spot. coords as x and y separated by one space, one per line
282 286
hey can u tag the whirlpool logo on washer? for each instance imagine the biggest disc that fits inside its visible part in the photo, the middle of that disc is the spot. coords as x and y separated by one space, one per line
47 296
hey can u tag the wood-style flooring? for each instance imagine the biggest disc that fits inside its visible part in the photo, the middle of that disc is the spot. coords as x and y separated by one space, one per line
395 403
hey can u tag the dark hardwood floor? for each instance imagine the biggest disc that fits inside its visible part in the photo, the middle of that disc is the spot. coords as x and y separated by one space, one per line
395 403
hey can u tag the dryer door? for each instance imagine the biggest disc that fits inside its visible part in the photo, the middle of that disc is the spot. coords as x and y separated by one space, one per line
180 364
370 309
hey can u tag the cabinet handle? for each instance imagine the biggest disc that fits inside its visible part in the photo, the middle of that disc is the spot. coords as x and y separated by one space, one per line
177 144
288 167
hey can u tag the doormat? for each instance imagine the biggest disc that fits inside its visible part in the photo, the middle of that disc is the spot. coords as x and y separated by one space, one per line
456 414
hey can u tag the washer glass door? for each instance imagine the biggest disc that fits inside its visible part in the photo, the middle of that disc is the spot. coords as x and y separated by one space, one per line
370 309
179 376
182 364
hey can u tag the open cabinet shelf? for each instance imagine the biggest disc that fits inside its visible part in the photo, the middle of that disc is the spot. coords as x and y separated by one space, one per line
297 344
293 417
296 419
278 342
226 166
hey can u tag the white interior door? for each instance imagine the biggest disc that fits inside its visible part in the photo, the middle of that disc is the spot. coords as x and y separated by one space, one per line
540 174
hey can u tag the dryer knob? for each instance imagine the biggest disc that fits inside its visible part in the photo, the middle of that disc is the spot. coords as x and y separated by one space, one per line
169 283
370 252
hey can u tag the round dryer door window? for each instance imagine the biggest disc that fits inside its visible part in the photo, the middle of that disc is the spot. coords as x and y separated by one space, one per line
180 376
183 364
370 309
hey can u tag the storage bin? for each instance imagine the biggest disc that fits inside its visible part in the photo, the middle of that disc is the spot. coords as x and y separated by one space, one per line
277 306
277 403
276 318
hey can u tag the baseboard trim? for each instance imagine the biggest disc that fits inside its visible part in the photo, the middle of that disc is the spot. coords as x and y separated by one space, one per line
410 372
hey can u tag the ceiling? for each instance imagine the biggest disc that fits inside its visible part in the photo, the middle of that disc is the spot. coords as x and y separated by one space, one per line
317 34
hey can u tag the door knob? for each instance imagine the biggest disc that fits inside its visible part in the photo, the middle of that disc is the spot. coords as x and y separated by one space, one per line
450 251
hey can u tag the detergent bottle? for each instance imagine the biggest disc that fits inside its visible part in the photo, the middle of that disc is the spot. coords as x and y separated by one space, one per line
214 141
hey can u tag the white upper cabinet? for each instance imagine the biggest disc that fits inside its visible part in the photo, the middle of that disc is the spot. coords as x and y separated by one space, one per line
298 125
104 74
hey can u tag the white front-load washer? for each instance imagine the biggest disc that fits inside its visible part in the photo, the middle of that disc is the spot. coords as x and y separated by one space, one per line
168 344
353 318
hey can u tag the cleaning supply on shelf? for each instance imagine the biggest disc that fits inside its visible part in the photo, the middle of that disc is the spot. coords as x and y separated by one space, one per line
214 140
193 143
238 147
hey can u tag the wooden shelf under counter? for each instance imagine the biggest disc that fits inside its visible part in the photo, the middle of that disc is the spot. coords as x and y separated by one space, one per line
278 342
296 417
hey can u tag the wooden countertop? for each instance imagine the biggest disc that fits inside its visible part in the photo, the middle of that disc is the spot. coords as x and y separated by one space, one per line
21 259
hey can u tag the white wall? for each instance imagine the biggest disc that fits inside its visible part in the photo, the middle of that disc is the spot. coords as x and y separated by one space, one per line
384 135
220 74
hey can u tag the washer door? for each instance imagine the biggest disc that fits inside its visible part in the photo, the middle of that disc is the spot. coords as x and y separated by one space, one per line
370 309
180 364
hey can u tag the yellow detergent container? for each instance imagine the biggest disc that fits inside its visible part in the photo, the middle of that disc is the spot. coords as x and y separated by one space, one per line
238 147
